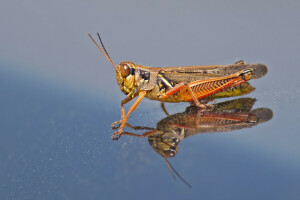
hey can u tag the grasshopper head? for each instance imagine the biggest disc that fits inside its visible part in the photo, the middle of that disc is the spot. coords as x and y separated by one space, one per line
125 74
125 71
164 144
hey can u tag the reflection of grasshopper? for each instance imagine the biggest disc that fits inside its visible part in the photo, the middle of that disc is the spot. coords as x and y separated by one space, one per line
226 116
177 84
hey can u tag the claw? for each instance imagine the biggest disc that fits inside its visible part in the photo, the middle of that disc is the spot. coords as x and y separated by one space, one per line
115 136
118 123
209 106
206 106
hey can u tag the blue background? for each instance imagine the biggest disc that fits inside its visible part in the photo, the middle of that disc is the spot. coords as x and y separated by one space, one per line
59 96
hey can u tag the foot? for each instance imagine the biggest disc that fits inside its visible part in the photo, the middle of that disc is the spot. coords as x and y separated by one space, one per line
116 124
205 106
209 106
116 135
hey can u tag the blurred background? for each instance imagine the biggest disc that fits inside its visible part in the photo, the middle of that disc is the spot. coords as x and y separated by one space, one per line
59 97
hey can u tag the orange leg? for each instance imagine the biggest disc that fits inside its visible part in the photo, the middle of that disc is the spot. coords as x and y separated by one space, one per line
126 100
124 119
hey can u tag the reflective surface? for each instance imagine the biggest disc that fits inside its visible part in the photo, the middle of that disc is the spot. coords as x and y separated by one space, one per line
223 117
59 98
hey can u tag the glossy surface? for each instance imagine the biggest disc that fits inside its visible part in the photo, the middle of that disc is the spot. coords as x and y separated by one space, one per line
59 97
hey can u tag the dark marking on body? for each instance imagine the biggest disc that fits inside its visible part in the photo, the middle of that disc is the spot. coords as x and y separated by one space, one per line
144 74
132 71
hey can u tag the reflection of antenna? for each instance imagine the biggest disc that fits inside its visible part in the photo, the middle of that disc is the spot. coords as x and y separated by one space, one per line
171 168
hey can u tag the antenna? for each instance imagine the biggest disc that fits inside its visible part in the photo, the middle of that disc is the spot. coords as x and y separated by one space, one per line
104 52
171 168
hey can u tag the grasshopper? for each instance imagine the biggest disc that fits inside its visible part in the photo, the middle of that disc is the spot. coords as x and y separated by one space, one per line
176 84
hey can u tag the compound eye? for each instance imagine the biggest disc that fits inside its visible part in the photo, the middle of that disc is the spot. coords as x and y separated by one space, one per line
171 152
125 70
